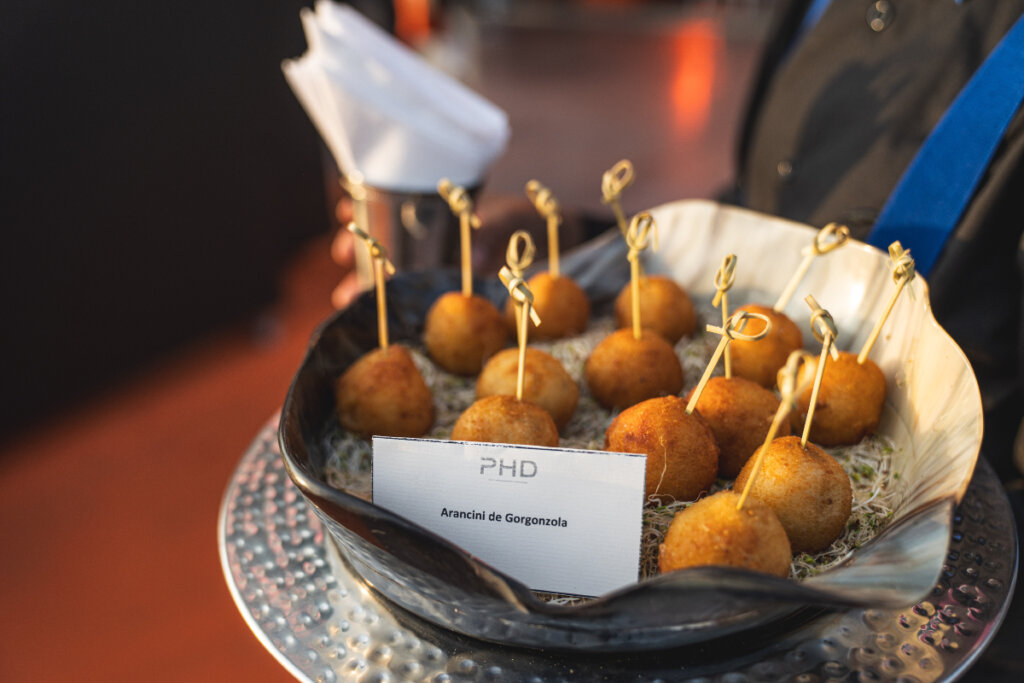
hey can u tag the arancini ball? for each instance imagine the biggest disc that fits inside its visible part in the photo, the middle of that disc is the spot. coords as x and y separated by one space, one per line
664 307
808 490
505 419
682 456
849 402
713 532
462 332
545 382
383 393
622 371
759 361
739 412
562 305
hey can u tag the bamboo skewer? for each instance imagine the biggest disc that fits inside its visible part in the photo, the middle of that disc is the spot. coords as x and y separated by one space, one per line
613 182
732 329
902 274
519 255
824 330
520 252
461 205
829 238
638 237
790 389
523 297
724 279
547 206
379 257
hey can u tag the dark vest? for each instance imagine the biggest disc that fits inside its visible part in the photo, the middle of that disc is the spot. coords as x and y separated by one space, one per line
834 119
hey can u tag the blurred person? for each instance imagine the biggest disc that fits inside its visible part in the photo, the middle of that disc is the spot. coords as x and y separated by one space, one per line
846 94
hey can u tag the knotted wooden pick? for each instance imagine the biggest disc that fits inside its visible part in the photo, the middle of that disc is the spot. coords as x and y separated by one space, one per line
547 206
379 257
613 182
902 274
641 232
520 252
789 389
732 329
519 255
461 205
829 238
724 279
523 298
823 327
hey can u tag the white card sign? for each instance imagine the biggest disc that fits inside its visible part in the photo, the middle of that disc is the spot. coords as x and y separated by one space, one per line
558 520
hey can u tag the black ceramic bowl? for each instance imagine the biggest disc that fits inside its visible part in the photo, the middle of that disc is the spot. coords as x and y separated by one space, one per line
440 582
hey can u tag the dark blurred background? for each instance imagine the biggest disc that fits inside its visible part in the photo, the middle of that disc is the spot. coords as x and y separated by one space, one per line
157 172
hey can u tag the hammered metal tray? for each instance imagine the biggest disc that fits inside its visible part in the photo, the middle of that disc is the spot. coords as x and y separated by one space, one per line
305 604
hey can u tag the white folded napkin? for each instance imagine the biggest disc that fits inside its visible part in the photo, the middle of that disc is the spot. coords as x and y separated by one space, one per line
390 119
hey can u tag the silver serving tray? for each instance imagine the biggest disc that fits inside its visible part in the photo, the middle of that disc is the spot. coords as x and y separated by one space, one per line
313 613
932 414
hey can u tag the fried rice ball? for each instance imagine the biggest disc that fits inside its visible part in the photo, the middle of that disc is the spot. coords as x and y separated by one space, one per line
713 532
563 307
760 360
505 419
664 307
622 371
808 490
682 456
462 332
849 402
384 393
545 382
739 412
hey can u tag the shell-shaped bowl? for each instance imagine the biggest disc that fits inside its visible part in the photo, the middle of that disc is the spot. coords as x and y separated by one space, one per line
933 416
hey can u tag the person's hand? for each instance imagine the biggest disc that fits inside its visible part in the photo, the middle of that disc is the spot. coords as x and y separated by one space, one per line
343 253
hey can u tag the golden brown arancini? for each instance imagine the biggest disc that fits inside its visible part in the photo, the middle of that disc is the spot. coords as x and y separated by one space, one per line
505 419
682 456
545 382
713 532
563 307
849 402
664 307
808 490
622 371
384 393
462 332
739 412
759 361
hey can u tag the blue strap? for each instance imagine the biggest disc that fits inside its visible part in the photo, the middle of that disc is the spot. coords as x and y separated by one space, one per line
931 196
812 15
